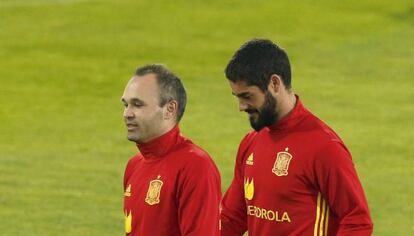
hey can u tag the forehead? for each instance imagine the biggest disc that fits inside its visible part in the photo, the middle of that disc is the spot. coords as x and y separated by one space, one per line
143 87
240 87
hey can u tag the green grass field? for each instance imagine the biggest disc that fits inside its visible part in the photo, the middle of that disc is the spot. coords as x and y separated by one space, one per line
64 64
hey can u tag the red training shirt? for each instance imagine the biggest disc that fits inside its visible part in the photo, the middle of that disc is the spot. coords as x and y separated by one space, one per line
171 188
295 178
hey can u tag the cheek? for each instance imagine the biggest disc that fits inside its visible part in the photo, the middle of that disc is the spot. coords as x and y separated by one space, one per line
255 105
259 102
151 115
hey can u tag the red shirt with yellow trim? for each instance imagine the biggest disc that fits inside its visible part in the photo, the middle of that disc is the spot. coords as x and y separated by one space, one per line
171 188
295 178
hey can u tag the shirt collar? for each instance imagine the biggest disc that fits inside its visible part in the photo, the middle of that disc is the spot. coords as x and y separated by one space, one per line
161 145
291 119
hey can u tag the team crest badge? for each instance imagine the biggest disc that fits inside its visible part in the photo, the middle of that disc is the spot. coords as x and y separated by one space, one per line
281 166
248 188
154 190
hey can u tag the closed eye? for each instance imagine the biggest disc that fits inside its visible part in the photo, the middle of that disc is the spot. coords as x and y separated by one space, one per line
245 95
138 104
134 102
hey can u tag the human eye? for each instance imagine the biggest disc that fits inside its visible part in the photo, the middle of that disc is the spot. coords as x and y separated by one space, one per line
246 96
138 104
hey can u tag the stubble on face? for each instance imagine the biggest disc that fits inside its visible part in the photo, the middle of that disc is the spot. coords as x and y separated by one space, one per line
143 116
265 115
146 129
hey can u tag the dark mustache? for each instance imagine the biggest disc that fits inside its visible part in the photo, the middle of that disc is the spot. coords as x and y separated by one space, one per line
250 111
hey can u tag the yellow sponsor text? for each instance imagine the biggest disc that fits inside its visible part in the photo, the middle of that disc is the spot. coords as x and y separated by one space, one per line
269 215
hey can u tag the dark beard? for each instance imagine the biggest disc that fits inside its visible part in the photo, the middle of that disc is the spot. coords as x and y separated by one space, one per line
267 114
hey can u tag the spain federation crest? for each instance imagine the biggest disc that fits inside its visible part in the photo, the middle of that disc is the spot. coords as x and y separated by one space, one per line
154 190
281 166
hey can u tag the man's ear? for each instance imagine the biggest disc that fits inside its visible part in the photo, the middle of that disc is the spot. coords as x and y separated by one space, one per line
275 84
170 110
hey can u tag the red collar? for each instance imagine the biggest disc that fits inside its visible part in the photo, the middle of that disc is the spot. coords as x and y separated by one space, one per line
291 119
161 145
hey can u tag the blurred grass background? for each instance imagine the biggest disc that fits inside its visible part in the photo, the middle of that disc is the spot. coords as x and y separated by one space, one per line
64 64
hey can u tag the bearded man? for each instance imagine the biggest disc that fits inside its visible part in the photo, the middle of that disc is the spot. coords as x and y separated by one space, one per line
293 174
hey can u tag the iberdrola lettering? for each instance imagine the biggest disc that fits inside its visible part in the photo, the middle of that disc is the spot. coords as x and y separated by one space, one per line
268 214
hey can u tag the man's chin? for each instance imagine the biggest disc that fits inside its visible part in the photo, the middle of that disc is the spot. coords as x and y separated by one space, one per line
256 126
132 138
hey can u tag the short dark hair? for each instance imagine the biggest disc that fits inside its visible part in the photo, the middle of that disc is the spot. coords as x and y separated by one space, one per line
256 61
169 84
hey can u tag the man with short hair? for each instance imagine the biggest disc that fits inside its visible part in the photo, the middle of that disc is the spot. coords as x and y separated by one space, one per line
293 174
172 187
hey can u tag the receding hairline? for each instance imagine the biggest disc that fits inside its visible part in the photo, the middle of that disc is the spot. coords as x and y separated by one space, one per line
136 78
149 74
150 77
170 87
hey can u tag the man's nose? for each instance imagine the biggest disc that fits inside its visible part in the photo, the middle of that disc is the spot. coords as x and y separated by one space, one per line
128 113
242 106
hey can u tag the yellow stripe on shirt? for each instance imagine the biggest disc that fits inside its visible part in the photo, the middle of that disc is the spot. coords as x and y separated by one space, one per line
321 224
318 212
322 217
326 220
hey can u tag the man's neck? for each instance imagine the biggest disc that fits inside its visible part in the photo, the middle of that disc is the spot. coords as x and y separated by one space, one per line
286 105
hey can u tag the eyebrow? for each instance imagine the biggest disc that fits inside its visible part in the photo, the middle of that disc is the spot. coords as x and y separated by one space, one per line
244 94
133 100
